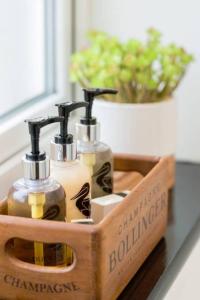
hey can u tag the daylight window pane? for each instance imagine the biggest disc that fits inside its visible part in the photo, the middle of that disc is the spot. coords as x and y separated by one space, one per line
22 46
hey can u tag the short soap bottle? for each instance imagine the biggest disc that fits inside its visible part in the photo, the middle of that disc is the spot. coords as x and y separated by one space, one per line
91 151
38 196
68 170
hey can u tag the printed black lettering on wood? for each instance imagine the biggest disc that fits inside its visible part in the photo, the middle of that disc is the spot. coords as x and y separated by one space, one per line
38 287
136 232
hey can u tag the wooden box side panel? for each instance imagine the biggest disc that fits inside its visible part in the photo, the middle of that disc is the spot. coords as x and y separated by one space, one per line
131 232
20 280
144 164
129 162
109 254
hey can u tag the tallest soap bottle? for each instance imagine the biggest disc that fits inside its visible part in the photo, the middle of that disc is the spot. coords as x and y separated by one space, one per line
91 151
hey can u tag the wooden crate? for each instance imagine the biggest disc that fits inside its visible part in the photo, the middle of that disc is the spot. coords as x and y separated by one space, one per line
107 255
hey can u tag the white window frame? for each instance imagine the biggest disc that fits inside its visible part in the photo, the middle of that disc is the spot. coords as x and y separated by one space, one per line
13 132
14 137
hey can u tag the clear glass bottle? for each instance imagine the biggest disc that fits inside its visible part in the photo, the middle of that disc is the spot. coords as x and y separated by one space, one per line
50 198
38 196
96 155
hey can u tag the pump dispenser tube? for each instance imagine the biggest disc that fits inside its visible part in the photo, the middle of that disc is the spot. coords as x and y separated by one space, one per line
96 155
38 196
37 201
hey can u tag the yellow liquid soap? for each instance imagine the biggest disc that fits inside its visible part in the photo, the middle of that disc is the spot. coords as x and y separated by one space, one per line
46 201
37 201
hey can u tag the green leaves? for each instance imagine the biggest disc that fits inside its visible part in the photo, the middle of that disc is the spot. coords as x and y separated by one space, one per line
141 71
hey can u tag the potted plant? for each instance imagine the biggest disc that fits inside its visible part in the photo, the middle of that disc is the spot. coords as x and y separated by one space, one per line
141 118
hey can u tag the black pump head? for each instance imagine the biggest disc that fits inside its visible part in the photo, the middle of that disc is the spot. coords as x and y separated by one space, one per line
64 110
35 126
89 95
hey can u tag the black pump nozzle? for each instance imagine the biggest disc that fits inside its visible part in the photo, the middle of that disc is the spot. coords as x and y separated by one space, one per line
64 110
89 95
35 126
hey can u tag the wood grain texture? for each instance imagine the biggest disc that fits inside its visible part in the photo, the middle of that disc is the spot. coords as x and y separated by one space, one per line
181 236
136 163
126 181
107 255
144 164
25 281
132 231
171 167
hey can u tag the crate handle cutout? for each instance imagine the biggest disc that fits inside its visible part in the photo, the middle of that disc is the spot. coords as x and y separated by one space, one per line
41 231
40 254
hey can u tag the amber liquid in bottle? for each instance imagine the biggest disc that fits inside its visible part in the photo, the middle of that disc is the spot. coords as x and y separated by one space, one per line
52 196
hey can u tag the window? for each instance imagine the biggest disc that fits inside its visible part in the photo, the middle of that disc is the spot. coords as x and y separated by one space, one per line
35 46
22 73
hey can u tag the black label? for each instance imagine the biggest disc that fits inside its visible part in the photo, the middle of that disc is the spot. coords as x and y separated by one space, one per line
104 179
40 287
52 213
83 203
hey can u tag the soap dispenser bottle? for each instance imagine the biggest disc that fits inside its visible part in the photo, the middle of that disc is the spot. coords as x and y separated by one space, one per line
38 196
93 153
68 170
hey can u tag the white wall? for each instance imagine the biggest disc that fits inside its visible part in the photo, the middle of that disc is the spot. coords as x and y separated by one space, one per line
179 22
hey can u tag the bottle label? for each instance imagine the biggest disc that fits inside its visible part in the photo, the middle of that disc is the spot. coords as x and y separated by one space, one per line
83 200
103 178
52 213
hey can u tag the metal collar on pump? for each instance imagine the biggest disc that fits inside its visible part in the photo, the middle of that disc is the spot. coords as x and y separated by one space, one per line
88 133
88 130
36 163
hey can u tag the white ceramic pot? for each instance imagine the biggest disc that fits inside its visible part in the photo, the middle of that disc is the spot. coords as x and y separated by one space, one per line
144 129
